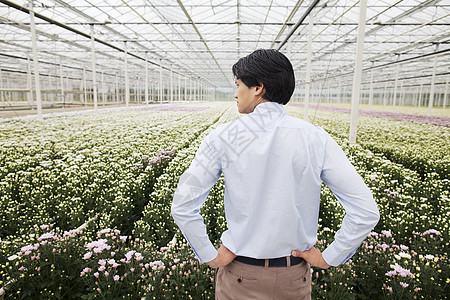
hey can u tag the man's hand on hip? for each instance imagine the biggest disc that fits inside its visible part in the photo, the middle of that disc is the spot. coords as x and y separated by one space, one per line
224 257
312 256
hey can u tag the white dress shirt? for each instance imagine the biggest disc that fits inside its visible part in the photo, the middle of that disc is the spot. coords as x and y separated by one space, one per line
273 166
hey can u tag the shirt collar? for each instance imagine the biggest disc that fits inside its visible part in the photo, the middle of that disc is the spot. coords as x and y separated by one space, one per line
269 107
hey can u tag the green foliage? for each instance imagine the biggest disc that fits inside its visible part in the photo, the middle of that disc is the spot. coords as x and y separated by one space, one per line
125 166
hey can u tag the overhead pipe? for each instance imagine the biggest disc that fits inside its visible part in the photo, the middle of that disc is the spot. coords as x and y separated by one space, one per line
308 11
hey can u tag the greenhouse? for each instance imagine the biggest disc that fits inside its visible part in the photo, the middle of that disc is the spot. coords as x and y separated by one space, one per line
104 105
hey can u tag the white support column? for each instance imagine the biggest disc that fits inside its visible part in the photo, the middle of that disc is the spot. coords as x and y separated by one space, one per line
433 79
385 94
51 97
197 90
308 69
371 91
339 92
328 91
127 84
35 62
117 89
94 72
137 90
2 93
185 89
415 97
420 96
29 83
151 92
171 84
179 87
63 98
103 89
402 95
394 96
445 94
190 89
69 86
358 70
85 99
146 78
160 82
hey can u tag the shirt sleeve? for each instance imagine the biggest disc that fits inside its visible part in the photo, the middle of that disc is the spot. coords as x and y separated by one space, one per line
193 189
361 210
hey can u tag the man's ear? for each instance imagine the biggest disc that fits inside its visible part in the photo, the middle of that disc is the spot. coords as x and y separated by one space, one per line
260 90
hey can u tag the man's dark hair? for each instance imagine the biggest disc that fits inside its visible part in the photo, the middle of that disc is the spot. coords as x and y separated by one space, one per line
271 68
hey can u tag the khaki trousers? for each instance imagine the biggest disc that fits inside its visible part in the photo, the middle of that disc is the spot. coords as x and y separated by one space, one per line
242 281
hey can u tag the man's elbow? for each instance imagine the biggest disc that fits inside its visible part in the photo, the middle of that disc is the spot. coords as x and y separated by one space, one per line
374 217
175 212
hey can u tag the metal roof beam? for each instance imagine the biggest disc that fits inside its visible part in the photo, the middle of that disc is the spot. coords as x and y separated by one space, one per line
289 18
308 11
203 40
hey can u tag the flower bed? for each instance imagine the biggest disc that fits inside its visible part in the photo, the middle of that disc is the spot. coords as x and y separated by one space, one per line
405 257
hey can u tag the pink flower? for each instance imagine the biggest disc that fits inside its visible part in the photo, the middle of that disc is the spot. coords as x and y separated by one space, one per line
116 277
390 273
101 268
386 233
107 230
85 270
87 255
102 262
129 254
106 273
400 271
48 235
96 274
98 246
132 269
384 246
405 285
432 231
138 256
27 248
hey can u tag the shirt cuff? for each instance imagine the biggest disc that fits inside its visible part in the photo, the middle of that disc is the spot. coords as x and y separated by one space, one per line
207 254
333 257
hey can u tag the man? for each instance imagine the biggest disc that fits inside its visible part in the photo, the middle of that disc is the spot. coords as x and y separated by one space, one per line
273 166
